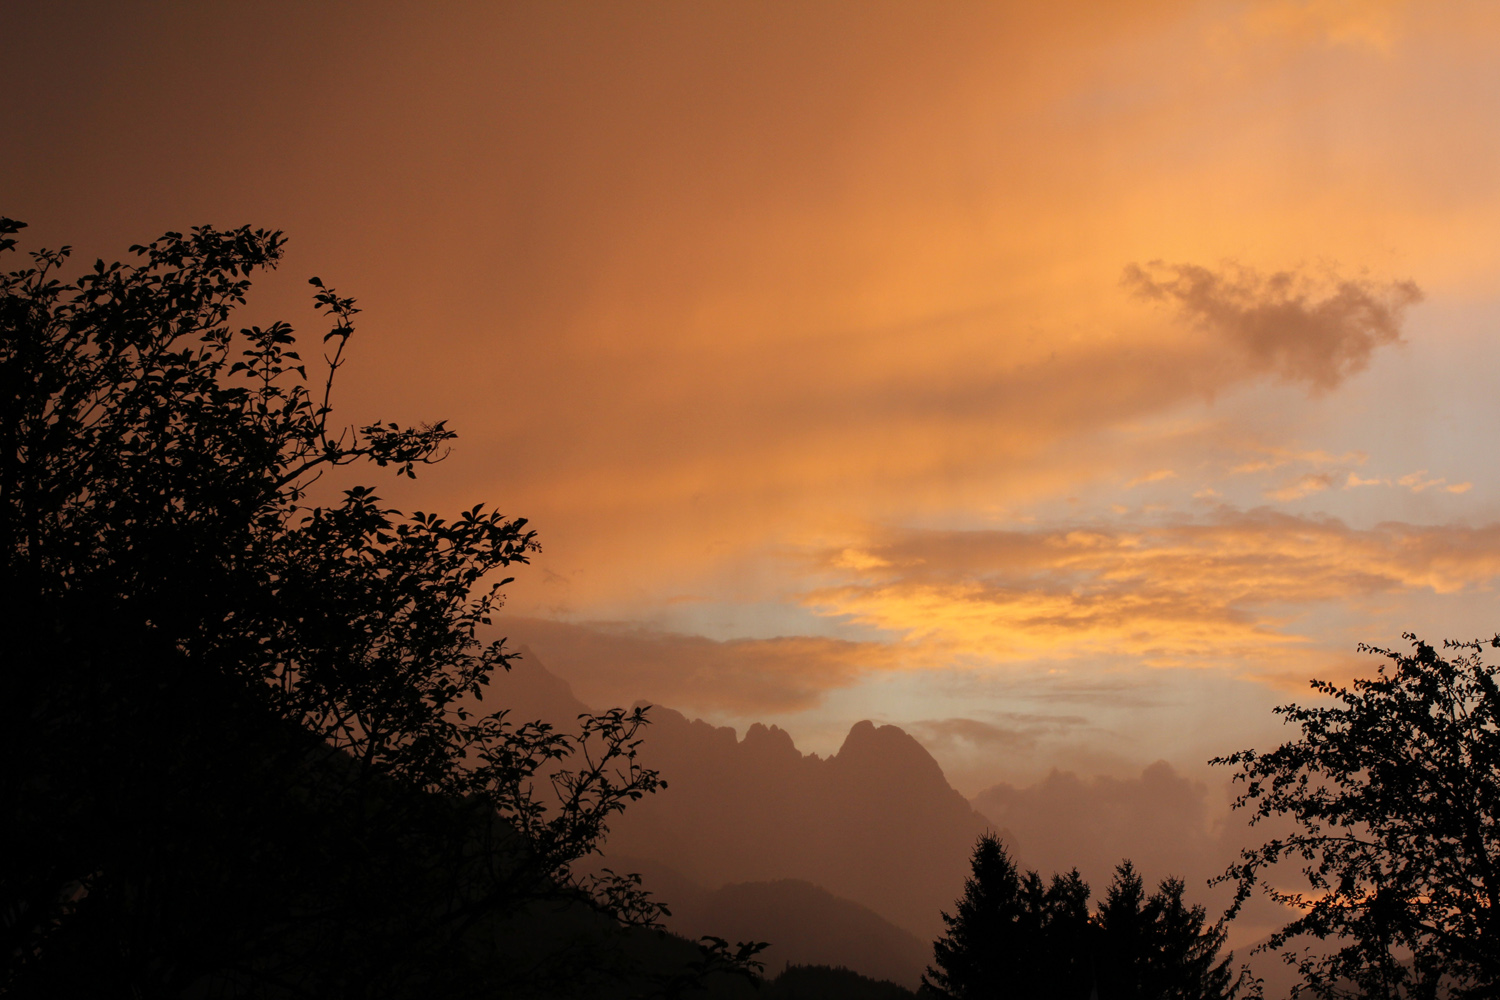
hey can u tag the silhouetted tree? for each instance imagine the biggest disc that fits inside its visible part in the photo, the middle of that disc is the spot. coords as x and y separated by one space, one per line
243 746
1156 947
1011 937
1068 937
1394 790
821 982
993 936
1126 940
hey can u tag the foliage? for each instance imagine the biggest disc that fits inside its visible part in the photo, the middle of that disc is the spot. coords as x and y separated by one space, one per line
1394 790
1011 936
1156 946
993 934
822 982
243 731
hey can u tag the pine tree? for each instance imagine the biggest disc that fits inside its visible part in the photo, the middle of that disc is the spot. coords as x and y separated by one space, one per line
1070 937
1125 939
993 936
1013 935
1184 952
1156 947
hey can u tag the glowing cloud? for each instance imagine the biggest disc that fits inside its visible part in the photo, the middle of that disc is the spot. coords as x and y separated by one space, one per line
1178 593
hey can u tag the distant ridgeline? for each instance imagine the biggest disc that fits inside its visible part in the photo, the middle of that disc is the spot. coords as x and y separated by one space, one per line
876 824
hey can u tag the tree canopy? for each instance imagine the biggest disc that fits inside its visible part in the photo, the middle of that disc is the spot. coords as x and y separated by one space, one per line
1393 791
244 737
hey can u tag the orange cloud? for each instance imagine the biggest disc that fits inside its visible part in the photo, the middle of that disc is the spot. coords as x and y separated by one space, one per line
1274 457
1304 485
1178 593
1371 24
1419 481
1151 477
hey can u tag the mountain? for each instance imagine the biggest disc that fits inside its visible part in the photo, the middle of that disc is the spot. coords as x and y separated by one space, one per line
531 692
804 923
877 823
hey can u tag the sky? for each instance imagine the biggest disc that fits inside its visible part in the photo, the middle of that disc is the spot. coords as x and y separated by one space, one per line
1066 383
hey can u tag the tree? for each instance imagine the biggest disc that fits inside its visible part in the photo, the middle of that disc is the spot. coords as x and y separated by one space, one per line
1126 938
1010 936
1069 937
1156 947
1393 791
992 935
243 734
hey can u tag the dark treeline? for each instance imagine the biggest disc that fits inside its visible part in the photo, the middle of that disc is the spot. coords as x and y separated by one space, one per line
1012 935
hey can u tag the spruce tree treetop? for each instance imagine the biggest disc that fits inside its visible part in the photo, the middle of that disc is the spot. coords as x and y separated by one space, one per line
990 933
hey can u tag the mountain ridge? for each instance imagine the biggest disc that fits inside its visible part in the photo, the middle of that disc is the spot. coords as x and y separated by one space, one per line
876 823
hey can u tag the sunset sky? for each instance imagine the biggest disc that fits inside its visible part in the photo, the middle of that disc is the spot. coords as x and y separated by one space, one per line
1064 383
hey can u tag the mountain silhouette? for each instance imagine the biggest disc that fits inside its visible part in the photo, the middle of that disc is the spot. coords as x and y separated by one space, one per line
876 824
805 923
532 692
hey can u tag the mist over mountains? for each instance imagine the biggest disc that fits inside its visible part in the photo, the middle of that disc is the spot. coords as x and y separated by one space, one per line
851 859
876 823
804 923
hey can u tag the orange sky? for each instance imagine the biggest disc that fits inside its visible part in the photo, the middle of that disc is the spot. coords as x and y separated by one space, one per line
1087 375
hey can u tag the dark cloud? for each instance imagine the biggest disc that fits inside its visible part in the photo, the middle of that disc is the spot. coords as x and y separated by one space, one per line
1300 327
612 663
1161 821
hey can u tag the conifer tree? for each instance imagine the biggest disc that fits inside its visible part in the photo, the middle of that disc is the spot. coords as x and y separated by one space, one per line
1014 936
992 935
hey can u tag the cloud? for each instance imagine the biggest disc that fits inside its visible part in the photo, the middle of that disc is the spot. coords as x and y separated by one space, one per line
1166 823
1236 590
1160 820
940 735
1012 731
1274 457
1373 25
610 663
1151 477
855 559
1418 482
1211 591
1297 326
1304 485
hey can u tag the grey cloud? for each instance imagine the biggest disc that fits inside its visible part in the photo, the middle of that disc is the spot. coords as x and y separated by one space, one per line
1297 326
614 663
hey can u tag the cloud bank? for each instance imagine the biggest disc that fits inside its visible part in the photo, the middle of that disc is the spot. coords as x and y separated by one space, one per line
1224 590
